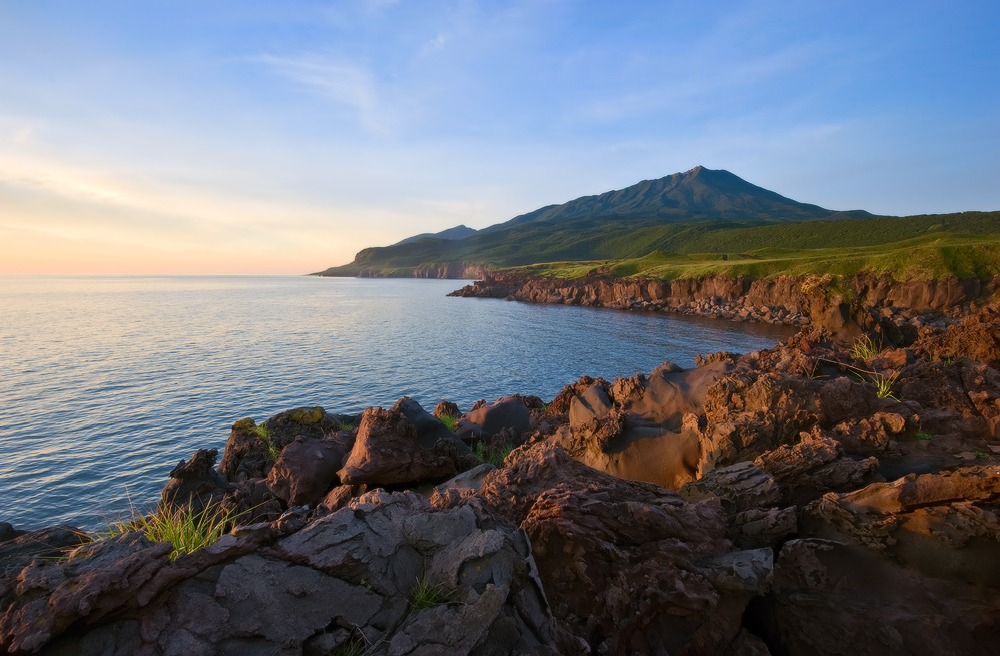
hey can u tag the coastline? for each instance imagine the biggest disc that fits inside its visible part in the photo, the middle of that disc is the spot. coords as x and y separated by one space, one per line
847 309
799 499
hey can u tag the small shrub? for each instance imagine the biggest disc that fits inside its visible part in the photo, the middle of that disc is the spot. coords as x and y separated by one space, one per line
186 530
982 455
924 436
450 422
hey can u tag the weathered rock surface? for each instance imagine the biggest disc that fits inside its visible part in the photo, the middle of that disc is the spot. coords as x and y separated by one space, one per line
387 452
194 483
249 449
307 469
429 428
830 598
509 413
816 514
626 566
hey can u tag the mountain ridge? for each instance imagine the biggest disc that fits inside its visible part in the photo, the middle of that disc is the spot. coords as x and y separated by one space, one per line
598 226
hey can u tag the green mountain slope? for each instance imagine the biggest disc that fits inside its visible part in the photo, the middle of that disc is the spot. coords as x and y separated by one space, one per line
700 211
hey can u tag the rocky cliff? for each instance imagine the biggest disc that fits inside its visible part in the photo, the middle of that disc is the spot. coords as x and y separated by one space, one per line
846 308
805 499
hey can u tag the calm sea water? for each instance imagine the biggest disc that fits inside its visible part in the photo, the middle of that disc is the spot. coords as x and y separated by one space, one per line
107 382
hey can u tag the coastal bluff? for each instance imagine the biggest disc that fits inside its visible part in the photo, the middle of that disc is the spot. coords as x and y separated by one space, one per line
817 497
847 308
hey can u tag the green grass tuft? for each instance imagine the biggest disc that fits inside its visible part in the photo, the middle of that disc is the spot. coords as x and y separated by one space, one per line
883 385
450 422
345 425
265 436
864 348
426 595
352 647
490 456
924 436
186 530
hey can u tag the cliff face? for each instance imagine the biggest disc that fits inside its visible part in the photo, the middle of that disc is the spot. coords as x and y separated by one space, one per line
846 308
453 271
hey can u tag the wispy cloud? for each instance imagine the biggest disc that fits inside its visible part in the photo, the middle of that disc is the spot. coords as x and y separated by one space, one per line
346 84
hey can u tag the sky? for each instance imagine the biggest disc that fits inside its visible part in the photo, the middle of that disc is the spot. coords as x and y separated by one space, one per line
253 136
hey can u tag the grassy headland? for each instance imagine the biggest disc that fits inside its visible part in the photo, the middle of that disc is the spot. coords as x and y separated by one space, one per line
966 245
919 258
696 223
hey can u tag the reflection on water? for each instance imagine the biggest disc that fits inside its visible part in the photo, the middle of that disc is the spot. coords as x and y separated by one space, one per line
108 381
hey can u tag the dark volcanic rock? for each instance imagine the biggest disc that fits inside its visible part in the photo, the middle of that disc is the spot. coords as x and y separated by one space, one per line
429 428
976 337
195 484
387 453
785 537
249 449
627 566
342 581
509 413
307 469
831 598
52 542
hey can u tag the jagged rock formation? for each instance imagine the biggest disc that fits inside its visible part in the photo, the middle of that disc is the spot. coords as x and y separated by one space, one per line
805 499
857 306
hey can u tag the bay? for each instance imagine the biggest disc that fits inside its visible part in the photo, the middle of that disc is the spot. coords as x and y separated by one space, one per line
107 382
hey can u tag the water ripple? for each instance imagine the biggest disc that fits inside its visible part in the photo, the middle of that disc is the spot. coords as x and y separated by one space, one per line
108 381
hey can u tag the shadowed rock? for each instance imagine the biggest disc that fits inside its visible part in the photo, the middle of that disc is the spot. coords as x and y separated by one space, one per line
387 453
195 484
307 469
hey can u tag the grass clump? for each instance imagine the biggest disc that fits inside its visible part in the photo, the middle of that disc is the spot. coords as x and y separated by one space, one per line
345 425
883 385
265 436
864 348
981 455
487 455
427 595
352 647
924 436
186 530
450 422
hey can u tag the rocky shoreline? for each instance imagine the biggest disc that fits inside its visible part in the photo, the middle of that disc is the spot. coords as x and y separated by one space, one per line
806 499
847 309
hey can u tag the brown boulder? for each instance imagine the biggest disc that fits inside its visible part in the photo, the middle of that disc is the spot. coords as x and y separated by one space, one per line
815 465
387 453
252 449
308 468
944 525
509 413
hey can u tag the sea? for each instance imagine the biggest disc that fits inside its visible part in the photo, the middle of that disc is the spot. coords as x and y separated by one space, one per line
107 382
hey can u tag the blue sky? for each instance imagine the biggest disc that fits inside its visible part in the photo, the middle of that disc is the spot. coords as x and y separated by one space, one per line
283 137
